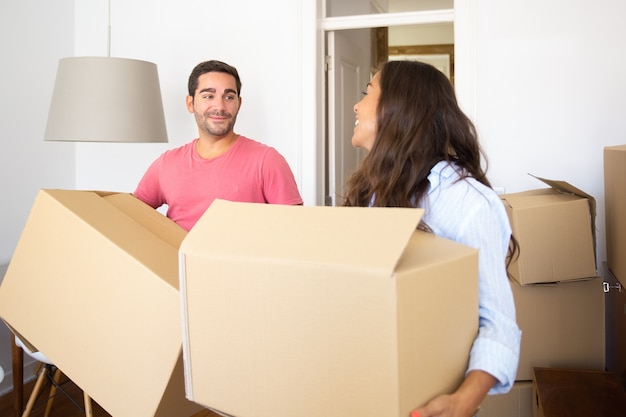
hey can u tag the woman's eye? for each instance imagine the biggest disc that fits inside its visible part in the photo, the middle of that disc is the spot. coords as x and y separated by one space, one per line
364 93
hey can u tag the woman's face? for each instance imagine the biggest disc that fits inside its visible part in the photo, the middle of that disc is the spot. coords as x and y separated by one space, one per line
365 125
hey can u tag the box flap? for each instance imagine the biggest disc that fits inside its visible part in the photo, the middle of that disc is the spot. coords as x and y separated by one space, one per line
144 215
139 230
354 236
567 188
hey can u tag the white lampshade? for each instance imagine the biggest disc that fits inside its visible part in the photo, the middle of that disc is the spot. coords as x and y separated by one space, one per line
104 99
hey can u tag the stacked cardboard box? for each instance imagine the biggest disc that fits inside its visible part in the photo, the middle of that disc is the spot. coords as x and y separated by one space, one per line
562 325
558 296
516 403
615 210
555 228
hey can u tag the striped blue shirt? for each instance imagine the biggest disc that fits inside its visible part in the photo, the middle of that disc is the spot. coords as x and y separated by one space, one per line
470 213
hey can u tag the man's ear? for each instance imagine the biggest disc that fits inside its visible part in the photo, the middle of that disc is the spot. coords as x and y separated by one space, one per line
189 103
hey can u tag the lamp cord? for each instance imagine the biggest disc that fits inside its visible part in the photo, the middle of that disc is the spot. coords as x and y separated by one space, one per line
109 33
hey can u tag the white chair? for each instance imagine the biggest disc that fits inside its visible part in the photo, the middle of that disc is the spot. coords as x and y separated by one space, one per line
54 375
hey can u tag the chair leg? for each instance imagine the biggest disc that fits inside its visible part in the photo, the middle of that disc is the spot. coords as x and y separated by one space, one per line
53 389
36 389
88 411
18 378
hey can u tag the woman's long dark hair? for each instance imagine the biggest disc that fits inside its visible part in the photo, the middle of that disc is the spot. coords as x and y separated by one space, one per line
419 124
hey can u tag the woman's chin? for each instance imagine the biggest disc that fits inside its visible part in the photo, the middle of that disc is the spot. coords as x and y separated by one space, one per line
356 141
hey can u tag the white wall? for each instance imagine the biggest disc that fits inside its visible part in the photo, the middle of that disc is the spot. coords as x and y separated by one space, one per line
34 34
549 89
551 92
178 35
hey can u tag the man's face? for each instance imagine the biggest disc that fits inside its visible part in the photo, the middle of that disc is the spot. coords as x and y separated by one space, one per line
215 104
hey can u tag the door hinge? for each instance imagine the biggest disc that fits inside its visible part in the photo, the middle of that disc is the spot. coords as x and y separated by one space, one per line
608 287
328 60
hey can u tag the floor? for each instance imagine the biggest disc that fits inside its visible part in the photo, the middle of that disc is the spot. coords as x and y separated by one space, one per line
63 406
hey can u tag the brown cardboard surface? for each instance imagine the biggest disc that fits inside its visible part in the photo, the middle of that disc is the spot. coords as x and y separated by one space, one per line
93 284
310 311
562 325
615 209
555 228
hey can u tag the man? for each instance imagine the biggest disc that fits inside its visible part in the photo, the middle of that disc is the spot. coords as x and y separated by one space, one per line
219 163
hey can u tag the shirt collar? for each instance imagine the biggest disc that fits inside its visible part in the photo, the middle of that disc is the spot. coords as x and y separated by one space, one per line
440 173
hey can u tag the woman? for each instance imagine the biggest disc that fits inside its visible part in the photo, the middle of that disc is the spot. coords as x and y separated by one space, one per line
424 152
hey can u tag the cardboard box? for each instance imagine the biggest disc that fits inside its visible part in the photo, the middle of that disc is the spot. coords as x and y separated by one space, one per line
555 228
615 209
562 325
93 284
310 311
516 403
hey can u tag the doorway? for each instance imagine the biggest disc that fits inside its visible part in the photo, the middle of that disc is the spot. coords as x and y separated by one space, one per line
354 44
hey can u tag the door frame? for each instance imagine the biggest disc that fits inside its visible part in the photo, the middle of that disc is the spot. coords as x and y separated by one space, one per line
462 15
346 58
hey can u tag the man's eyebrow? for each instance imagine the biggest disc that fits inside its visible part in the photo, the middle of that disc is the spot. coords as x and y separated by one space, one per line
213 90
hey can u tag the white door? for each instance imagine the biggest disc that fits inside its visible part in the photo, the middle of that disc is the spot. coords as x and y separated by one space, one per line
345 78
348 73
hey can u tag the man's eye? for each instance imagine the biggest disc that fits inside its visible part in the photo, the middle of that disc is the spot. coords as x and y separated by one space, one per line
207 97
230 98
364 93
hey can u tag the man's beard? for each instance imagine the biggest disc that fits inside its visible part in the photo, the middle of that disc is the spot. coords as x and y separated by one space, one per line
216 130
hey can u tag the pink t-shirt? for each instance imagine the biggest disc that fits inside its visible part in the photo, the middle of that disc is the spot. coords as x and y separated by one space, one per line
248 172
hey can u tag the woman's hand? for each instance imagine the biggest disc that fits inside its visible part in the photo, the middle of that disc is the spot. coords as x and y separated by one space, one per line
464 402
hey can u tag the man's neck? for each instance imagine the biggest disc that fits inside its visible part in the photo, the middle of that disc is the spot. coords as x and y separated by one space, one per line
209 147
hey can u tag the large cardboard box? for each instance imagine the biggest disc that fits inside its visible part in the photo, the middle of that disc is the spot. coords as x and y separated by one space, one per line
555 228
313 311
93 284
615 209
562 325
